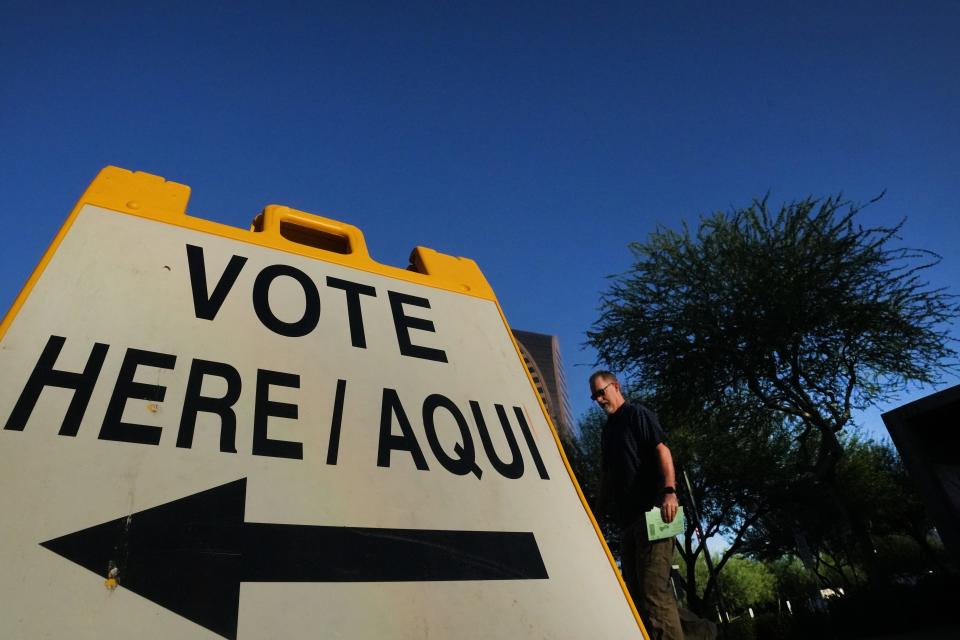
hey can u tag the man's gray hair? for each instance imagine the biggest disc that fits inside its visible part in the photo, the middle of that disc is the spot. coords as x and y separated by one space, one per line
603 373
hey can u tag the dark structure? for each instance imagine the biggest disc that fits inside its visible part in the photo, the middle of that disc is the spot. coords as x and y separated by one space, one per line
927 434
541 353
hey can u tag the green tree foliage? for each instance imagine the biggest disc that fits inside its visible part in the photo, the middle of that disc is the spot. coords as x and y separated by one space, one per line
793 581
748 583
875 483
872 487
739 462
806 311
901 557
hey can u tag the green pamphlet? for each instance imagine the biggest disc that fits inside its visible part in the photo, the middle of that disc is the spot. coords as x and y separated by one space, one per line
657 529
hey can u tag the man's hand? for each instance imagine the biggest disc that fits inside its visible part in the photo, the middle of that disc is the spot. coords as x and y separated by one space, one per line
668 510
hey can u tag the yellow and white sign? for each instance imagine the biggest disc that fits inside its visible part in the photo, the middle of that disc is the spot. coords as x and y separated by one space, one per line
211 432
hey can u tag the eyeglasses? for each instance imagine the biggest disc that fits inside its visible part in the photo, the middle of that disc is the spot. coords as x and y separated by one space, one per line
596 395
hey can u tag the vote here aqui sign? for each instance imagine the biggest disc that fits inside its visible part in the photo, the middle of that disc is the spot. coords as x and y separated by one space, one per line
208 432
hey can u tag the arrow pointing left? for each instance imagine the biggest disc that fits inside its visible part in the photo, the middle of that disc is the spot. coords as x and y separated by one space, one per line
190 555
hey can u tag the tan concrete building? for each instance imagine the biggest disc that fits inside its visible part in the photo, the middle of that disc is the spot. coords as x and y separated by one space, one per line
541 353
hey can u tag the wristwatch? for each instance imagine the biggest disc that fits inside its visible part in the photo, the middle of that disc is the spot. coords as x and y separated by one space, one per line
667 490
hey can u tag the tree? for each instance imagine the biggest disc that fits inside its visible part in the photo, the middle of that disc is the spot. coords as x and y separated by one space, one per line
794 582
804 312
873 484
748 583
809 313
739 464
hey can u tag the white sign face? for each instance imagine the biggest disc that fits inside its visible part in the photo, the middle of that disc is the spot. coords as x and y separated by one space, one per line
201 437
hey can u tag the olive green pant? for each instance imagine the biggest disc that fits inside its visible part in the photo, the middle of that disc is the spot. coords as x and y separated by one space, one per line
646 571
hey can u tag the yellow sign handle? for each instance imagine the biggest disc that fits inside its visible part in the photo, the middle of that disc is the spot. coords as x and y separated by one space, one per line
289 225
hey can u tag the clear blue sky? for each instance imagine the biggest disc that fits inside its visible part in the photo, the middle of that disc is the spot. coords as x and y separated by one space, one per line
535 138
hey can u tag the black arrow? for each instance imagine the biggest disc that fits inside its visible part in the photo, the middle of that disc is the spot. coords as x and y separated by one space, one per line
191 555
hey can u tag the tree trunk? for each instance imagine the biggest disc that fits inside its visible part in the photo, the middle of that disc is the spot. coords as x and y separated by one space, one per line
830 453
694 602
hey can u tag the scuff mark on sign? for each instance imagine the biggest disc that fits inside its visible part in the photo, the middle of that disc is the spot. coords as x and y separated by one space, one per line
111 581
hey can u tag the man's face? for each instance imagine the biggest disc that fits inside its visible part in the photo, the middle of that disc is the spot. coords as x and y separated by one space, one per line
606 393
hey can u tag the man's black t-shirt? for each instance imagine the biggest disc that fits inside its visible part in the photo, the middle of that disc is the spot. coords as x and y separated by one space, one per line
632 478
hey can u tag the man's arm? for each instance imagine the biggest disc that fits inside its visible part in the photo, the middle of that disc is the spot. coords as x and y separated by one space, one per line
668 507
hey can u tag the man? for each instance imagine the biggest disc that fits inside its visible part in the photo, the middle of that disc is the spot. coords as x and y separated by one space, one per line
637 476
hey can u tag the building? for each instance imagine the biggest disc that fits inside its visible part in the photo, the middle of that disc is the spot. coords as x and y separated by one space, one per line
926 435
541 353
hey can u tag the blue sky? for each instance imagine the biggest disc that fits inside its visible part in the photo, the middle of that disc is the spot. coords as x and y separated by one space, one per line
535 138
